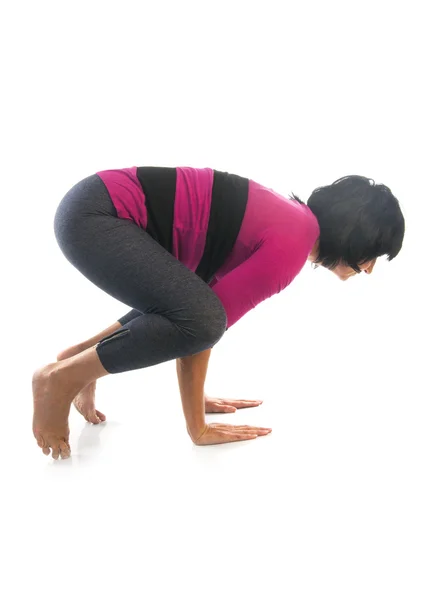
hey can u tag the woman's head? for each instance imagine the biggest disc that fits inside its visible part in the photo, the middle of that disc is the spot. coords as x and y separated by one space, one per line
359 221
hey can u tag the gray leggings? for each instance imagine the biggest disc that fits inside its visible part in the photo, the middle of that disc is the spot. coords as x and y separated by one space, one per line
175 313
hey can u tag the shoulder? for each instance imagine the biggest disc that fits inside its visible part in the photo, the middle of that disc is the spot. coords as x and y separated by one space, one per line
295 233
287 247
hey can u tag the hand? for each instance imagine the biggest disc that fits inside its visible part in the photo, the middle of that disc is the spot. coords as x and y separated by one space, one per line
220 405
221 433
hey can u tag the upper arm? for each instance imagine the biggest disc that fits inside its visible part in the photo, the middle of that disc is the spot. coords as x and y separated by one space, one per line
266 272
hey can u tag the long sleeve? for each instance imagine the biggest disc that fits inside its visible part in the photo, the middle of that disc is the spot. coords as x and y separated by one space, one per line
269 270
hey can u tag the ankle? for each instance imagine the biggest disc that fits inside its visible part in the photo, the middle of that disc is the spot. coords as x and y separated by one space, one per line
62 374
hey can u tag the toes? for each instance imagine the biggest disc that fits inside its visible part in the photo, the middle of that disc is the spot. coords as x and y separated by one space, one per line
93 418
65 450
58 448
101 415
43 445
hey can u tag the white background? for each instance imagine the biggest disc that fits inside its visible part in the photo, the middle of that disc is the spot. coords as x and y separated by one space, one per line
338 501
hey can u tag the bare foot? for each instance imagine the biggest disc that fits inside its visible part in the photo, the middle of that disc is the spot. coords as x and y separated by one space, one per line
84 402
51 405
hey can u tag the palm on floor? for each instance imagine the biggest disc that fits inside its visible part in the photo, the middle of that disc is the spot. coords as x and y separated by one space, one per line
223 405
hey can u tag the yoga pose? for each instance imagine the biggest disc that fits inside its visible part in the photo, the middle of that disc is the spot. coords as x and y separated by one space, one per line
191 251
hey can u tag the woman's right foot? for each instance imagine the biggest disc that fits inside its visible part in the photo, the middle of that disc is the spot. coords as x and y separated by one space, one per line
84 402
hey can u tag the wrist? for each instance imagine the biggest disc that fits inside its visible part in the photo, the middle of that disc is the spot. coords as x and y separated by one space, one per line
196 431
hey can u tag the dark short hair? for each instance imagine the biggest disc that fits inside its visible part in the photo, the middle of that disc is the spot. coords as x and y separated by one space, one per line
359 220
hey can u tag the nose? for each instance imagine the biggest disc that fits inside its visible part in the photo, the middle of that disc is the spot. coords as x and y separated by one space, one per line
369 270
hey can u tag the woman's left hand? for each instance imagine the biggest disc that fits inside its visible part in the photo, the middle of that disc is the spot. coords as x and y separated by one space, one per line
221 405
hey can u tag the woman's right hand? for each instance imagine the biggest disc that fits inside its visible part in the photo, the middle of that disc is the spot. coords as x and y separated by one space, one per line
221 433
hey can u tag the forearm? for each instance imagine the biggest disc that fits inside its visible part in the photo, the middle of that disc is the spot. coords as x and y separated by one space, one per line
191 371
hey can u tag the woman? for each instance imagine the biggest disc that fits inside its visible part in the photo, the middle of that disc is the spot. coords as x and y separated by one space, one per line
191 251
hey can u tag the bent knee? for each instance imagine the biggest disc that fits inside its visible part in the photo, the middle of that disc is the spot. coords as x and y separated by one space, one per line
207 326
214 325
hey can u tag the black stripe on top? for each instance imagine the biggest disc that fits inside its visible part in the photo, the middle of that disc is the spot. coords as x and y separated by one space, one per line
228 206
159 187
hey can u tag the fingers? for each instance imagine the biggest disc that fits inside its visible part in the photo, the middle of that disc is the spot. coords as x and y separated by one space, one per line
247 434
234 404
223 437
239 437
221 433
245 403
246 430
258 430
220 405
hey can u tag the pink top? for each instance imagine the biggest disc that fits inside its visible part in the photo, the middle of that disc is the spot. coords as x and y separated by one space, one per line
274 242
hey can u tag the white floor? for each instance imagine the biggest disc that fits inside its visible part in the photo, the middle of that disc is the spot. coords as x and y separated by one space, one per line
336 502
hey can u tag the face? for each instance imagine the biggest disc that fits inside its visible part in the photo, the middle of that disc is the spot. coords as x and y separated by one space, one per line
344 272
